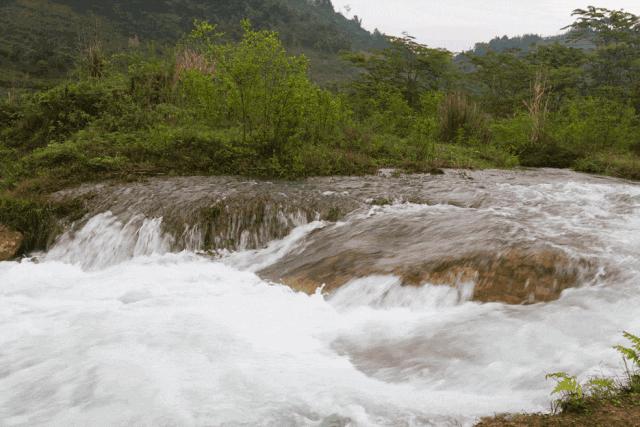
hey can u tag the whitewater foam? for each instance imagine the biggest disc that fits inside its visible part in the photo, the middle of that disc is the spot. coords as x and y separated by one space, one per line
111 328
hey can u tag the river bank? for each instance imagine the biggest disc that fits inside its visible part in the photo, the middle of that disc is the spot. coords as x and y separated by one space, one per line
620 411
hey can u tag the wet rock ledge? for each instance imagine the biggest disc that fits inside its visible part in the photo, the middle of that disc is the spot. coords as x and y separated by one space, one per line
461 228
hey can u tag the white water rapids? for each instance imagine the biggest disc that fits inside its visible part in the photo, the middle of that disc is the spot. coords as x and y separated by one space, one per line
110 328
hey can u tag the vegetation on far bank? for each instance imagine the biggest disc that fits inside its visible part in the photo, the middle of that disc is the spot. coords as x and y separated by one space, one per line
597 402
213 104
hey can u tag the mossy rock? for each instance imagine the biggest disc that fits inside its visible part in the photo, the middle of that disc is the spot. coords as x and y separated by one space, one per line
10 243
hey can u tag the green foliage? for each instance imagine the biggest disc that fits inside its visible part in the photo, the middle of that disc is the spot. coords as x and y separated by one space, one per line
256 86
55 114
461 120
569 390
42 40
631 354
601 388
36 220
564 68
501 44
614 66
406 69
503 81
235 101
511 134
575 397
595 124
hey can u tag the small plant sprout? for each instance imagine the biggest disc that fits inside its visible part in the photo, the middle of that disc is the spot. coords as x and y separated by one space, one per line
569 390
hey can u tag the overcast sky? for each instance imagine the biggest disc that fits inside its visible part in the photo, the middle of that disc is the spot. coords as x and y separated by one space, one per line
458 24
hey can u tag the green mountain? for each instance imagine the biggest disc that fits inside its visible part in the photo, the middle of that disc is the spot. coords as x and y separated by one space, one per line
40 39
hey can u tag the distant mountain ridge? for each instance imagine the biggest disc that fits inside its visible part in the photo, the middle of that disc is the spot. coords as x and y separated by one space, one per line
527 42
310 24
39 39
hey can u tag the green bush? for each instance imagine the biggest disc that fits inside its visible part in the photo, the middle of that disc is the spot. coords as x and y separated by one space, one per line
461 120
622 165
589 125
511 134
631 357
54 115
29 218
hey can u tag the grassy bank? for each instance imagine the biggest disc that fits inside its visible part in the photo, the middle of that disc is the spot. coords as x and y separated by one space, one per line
622 410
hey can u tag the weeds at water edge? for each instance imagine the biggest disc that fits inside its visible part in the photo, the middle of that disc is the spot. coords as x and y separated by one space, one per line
576 397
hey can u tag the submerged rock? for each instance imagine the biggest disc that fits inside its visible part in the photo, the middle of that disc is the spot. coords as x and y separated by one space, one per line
10 243
514 277
436 245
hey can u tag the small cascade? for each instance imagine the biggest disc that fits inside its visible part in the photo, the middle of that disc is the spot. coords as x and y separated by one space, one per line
207 214
238 225
106 240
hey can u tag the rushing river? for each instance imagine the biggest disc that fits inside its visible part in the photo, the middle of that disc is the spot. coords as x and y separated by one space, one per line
126 321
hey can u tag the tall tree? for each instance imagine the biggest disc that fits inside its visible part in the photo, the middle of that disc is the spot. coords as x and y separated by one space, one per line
406 66
614 67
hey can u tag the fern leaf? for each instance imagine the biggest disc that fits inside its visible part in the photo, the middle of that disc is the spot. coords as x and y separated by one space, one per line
634 340
628 354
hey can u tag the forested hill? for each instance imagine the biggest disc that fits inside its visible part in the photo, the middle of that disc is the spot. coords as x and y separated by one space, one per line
40 38
311 24
529 42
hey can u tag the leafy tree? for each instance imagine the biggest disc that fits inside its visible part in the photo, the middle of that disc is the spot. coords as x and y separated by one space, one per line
405 67
614 66
564 68
594 124
256 85
503 81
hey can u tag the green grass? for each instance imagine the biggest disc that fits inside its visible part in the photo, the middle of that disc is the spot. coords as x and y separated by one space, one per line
620 165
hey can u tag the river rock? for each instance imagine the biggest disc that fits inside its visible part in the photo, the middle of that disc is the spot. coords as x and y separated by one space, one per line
10 243
437 245
514 277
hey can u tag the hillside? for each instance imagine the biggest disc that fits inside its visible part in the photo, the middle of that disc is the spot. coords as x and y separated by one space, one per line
40 38
528 42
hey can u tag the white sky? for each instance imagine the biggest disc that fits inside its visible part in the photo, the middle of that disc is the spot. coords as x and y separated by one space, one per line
458 24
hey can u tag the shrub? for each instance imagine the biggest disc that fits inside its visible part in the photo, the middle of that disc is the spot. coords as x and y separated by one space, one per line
549 154
621 165
36 220
589 125
461 120
511 134
54 115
